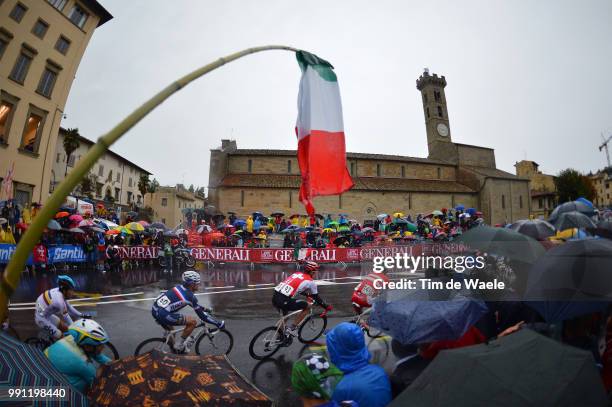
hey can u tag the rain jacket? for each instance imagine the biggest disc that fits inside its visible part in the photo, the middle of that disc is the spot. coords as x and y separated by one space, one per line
249 224
366 384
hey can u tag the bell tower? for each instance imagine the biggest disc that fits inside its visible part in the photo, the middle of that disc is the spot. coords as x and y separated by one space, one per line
436 113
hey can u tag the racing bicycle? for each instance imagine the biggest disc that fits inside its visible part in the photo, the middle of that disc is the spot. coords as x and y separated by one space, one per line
269 340
43 341
362 320
209 341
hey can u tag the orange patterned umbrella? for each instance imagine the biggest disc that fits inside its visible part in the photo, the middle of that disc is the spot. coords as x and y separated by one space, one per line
161 379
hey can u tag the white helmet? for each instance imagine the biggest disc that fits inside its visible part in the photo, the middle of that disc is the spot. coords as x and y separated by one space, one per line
191 277
88 332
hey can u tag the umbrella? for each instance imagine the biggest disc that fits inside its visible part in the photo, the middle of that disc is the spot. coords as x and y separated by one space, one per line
75 218
86 223
124 230
135 227
437 213
258 215
275 214
381 216
368 230
398 215
182 231
571 279
226 226
3 221
411 227
112 232
166 379
333 223
62 214
96 229
421 316
537 229
132 214
603 229
577 206
459 208
328 230
158 225
144 223
170 233
521 369
503 242
400 221
53 225
574 219
471 211
239 222
24 365
344 228
76 230
105 223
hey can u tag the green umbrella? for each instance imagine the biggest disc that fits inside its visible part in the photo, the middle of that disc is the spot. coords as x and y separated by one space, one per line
521 369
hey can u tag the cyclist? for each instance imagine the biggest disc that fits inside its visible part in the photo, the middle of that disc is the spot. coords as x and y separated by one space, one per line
53 312
366 291
166 306
75 353
298 283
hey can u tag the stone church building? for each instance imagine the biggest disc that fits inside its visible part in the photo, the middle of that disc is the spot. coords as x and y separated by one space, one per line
249 180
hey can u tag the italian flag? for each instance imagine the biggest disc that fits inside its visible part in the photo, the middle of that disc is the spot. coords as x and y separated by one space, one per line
320 132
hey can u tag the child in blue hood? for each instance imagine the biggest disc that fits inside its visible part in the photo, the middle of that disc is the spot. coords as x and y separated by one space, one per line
366 384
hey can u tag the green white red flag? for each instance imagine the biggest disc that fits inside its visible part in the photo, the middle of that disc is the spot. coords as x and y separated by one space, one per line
320 132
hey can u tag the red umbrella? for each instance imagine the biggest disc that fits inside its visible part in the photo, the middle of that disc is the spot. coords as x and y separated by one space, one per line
61 215
76 218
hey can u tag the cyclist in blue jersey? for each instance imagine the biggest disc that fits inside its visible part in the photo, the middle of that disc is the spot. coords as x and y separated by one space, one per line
74 355
166 306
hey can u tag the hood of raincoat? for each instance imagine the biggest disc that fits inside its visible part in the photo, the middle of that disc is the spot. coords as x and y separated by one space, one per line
346 347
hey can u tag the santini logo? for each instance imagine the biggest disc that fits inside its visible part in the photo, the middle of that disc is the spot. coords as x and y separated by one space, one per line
6 252
73 253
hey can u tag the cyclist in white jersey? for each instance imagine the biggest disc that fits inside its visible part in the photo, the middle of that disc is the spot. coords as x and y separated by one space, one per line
53 313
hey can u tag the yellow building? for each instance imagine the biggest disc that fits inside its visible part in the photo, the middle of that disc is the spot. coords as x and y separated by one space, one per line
41 45
169 203
542 187
602 181
115 176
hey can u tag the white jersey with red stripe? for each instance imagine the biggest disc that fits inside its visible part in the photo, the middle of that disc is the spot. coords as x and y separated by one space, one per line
297 283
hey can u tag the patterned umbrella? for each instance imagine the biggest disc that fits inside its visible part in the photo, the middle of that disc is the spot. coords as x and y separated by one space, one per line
24 365
124 230
144 223
53 225
157 378
85 223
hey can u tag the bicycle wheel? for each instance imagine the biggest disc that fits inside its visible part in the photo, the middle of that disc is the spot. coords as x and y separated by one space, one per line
266 343
151 344
110 351
216 342
312 328
190 261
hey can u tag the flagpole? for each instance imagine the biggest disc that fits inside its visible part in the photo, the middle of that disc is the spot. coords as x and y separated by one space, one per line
11 276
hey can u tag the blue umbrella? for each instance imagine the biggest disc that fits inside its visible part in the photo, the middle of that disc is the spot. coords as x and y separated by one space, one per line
471 211
24 365
460 208
420 317
585 201
239 222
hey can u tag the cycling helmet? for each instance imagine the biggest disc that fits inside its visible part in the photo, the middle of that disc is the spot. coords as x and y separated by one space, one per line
88 332
65 281
310 266
191 277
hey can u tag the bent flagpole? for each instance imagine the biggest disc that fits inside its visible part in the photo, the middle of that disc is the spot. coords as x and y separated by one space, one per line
10 280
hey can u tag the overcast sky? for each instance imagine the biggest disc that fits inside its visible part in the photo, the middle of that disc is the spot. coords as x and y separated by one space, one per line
531 79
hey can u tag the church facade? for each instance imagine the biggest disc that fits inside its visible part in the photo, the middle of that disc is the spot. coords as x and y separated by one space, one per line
248 180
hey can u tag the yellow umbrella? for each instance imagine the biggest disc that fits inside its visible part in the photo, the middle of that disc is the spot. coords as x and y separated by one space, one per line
123 229
398 215
135 227
328 230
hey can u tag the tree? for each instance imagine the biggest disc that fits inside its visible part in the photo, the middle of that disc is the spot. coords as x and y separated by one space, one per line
71 143
191 188
572 184
143 184
152 186
88 185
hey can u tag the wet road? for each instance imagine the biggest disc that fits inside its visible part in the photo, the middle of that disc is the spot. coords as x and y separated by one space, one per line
237 294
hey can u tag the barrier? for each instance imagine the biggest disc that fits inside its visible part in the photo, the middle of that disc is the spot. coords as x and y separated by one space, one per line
75 254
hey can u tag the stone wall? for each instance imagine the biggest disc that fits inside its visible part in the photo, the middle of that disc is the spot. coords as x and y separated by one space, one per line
359 205
476 156
505 200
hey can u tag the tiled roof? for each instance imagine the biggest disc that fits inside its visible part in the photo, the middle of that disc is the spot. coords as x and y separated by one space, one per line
493 172
382 157
361 183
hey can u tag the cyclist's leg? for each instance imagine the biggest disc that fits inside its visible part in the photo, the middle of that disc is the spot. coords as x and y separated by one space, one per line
296 305
49 326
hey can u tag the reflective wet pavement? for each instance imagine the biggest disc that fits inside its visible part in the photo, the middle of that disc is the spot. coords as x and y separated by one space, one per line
239 295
